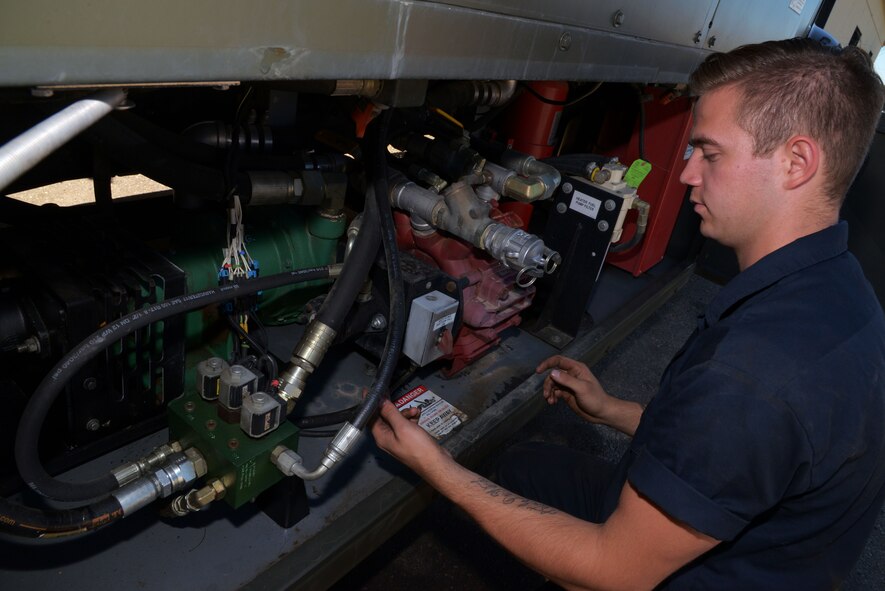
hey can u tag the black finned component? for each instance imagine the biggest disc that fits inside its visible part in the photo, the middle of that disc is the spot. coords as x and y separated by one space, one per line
855 37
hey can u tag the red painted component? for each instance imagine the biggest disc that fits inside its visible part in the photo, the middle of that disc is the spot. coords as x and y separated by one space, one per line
521 210
667 129
492 300
530 125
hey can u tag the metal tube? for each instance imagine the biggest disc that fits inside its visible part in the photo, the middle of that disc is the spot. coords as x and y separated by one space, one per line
22 153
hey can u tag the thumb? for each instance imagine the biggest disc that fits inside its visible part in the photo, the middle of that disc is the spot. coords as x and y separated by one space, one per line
389 412
565 379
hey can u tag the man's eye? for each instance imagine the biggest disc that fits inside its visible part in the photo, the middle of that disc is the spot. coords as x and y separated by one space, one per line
710 157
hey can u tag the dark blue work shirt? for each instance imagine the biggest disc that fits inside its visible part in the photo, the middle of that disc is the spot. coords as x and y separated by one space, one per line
767 430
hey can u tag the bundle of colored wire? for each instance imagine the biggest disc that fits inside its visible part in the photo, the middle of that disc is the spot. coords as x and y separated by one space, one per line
237 262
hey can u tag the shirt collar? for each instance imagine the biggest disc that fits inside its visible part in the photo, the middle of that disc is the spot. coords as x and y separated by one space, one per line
800 254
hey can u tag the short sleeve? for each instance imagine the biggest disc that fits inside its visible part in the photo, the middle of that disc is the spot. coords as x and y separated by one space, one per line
715 450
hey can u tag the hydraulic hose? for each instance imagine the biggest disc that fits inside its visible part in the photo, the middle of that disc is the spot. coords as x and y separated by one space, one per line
394 343
327 419
357 264
27 438
36 523
24 152
289 462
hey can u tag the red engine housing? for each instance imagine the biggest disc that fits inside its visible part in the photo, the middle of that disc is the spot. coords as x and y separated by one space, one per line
530 124
492 300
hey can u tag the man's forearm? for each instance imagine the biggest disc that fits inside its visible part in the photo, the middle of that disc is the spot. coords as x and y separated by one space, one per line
544 538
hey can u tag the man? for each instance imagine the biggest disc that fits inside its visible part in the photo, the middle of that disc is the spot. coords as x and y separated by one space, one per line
760 463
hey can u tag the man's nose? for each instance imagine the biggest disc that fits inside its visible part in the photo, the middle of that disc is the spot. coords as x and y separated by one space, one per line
691 173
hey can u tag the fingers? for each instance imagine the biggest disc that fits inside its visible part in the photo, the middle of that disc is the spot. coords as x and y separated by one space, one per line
575 368
412 413
566 380
549 363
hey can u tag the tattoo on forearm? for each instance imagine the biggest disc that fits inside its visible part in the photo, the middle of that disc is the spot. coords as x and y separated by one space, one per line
509 498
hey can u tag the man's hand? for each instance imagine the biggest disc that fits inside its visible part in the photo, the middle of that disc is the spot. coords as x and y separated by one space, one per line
574 383
398 434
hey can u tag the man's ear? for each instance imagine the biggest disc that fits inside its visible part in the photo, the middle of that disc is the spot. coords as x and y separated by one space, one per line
802 156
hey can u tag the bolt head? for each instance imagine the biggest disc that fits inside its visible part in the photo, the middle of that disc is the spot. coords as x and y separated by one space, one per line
378 322
200 466
90 384
189 406
610 205
93 425
561 207
567 188
602 225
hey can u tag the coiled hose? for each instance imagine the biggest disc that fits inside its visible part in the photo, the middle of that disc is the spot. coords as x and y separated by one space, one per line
28 435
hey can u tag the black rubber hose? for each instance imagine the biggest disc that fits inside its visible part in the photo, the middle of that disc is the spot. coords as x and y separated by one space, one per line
624 247
260 349
28 522
28 436
394 343
327 419
356 269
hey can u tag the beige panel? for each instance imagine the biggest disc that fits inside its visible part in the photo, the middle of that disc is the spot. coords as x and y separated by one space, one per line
877 10
867 15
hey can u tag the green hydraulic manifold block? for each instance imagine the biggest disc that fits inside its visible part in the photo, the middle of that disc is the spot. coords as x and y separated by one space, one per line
241 462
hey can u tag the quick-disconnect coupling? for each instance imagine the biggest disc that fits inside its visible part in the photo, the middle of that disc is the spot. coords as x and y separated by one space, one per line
519 250
308 354
181 470
128 472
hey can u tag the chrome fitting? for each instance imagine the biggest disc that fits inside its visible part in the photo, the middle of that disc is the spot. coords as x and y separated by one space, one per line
348 436
181 470
128 472
198 499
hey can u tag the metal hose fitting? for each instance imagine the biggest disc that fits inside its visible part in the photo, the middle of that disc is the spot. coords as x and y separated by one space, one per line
181 470
307 355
